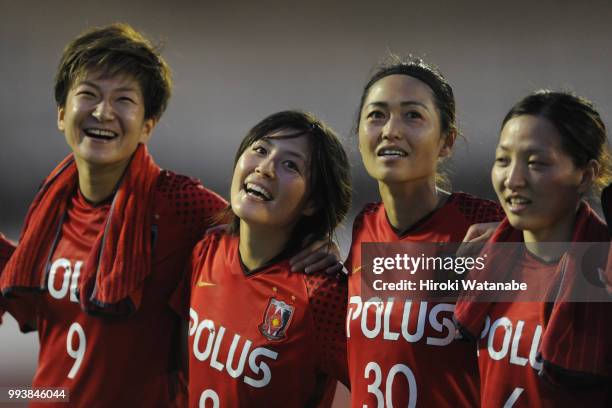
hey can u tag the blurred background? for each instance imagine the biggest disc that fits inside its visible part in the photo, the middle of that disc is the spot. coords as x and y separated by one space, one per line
235 62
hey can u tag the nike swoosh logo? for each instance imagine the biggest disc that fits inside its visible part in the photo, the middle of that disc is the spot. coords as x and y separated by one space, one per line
203 283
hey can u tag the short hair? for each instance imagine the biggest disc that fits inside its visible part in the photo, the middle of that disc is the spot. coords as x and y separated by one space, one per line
329 173
116 49
583 132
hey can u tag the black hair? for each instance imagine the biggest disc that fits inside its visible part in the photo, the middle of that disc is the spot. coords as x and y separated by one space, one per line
583 132
444 98
415 67
116 49
329 182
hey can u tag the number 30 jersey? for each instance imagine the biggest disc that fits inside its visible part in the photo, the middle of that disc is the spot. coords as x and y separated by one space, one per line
402 352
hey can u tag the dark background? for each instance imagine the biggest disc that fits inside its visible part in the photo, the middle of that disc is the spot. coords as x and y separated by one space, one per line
236 62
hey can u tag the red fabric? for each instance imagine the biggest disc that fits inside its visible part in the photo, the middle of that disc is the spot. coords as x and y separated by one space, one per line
6 249
403 351
120 259
567 342
509 345
107 346
130 361
242 350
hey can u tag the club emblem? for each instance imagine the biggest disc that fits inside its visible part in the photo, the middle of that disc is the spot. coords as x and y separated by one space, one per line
276 320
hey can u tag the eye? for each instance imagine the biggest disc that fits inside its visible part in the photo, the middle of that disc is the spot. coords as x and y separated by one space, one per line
86 93
536 164
413 115
126 99
291 165
259 149
375 114
501 161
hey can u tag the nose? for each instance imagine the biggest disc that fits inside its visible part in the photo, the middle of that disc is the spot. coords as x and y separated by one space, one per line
103 111
266 167
515 177
391 129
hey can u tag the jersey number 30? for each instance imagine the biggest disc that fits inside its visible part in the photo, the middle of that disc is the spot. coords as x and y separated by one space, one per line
374 388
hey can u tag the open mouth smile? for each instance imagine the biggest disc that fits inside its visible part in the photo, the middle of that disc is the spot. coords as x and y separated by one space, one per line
101 134
517 203
257 191
391 152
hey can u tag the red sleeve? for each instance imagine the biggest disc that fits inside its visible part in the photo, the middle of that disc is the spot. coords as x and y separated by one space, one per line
328 301
196 208
22 308
6 250
180 298
357 226
193 209
477 210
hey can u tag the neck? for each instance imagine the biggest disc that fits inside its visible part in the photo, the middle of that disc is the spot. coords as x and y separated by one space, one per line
538 242
98 183
258 245
407 203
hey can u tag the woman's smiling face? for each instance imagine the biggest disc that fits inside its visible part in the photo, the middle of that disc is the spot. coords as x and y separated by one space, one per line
400 136
103 119
270 182
536 181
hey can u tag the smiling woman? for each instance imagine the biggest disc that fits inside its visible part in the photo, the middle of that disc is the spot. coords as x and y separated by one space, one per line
107 234
530 174
103 121
406 126
269 184
402 109
552 152
291 179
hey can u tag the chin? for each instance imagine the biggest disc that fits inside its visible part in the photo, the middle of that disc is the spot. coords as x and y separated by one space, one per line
523 223
98 157
251 217
397 180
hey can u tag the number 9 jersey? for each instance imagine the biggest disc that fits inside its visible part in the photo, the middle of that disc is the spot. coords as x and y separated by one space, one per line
128 361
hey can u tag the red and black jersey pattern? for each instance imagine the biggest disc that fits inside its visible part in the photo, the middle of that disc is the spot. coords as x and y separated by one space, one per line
328 298
195 206
268 337
403 353
476 210
130 361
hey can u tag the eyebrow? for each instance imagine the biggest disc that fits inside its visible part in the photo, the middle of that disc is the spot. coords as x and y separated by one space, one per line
402 104
121 89
528 150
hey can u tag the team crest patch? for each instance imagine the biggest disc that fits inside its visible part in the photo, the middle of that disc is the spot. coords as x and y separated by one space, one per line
276 320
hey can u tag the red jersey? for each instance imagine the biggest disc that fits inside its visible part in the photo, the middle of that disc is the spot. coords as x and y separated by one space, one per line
6 249
403 353
130 361
510 342
265 338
